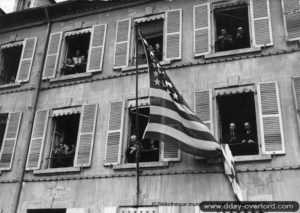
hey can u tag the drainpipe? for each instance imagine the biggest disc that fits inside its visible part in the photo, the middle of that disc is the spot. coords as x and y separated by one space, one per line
20 175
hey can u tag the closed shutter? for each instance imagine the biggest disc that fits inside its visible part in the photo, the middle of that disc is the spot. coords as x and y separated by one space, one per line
52 55
86 133
296 89
270 119
169 209
203 107
291 16
37 140
26 59
139 210
261 23
122 43
110 210
96 50
202 34
173 34
114 133
10 140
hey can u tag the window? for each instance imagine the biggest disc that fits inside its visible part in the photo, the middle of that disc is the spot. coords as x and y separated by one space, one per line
152 30
3 121
149 148
11 57
64 140
76 52
231 28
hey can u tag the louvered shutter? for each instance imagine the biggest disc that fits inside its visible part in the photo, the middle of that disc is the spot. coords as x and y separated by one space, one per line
122 43
203 107
110 210
270 119
26 59
261 23
10 140
173 34
114 134
139 210
96 50
202 33
86 133
169 209
52 55
37 140
291 18
296 89
170 151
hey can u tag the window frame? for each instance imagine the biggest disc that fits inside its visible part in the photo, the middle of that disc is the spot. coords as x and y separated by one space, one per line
62 55
213 28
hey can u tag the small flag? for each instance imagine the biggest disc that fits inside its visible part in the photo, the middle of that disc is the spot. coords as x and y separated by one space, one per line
171 120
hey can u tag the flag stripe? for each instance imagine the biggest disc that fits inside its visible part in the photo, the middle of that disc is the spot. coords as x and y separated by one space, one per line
180 136
159 110
156 101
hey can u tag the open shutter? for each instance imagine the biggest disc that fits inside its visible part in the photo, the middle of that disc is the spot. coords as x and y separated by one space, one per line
114 133
10 140
203 107
96 50
52 55
85 139
202 34
261 23
173 34
26 59
291 16
270 119
122 43
37 140
296 89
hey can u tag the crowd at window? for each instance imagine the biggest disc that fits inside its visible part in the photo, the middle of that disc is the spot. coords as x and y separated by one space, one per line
76 64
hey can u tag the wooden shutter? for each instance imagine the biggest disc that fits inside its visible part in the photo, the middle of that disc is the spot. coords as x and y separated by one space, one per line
37 140
95 59
114 133
202 33
122 43
203 107
173 34
270 119
296 90
86 133
26 59
10 140
52 55
110 210
139 210
261 23
291 19
169 209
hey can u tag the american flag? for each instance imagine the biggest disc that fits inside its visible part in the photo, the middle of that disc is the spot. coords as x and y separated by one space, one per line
172 121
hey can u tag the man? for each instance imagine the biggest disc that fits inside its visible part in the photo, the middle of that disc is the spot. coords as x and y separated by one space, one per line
231 137
241 40
248 136
131 150
224 41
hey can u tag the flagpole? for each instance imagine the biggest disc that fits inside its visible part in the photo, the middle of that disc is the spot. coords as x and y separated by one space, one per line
137 133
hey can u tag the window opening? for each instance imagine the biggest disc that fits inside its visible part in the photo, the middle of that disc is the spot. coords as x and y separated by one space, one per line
149 148
77 48
153 32
232 28
64 140
10 64
238 123
3 121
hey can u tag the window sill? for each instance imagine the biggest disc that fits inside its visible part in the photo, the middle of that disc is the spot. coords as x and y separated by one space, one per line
70 77
233 52
143 66
142 165
56 171
252 158
11 85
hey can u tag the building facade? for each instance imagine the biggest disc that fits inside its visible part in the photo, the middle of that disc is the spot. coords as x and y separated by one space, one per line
67 106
